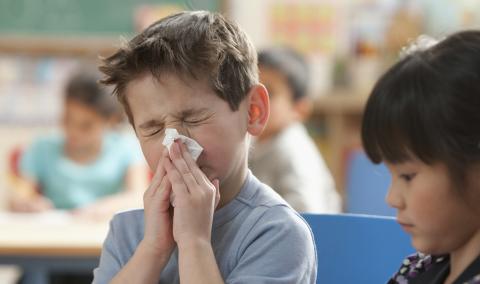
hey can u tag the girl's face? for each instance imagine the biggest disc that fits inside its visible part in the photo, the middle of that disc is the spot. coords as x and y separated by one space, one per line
83 126
439 217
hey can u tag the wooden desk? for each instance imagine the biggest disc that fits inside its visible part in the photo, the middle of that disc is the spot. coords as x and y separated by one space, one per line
51 242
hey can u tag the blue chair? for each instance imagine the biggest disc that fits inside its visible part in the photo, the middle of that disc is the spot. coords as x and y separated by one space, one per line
366 187
358 248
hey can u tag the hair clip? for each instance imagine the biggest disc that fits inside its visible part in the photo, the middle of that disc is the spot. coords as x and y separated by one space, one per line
421 43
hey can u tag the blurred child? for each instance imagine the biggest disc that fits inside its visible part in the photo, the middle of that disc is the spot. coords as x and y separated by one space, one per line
284 155
423 120
197 72
89 168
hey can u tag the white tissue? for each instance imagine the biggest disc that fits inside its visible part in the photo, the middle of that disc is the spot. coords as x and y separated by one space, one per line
171 134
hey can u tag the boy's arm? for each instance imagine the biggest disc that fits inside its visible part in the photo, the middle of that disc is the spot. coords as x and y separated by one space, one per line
145 266
197 263
154 250
194 203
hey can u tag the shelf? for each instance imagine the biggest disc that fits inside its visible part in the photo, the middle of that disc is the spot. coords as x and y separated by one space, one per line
87 46
340 102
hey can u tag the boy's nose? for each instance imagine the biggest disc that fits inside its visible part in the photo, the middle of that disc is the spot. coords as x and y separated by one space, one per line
183 131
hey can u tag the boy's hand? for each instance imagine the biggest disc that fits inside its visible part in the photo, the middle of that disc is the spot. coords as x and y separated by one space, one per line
158 236
195 197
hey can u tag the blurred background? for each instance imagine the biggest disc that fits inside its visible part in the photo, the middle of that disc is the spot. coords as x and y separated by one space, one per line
347 44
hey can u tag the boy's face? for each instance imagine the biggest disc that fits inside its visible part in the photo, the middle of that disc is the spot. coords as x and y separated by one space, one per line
193 109
282 106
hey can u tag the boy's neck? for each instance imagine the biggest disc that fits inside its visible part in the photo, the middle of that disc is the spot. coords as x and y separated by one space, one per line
232 186
461 258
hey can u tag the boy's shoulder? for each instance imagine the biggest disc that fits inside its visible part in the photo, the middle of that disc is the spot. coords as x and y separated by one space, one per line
262 210
131 219
127 227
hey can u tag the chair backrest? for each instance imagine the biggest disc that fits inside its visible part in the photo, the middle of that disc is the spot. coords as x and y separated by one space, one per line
366 187
357 248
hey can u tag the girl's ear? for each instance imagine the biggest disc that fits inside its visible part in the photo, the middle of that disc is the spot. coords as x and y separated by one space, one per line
258 109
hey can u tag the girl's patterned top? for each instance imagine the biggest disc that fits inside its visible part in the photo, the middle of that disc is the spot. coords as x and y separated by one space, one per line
428 269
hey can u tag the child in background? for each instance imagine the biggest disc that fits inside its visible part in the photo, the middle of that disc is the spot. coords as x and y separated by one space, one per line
284 156
88 169
423 120
197 72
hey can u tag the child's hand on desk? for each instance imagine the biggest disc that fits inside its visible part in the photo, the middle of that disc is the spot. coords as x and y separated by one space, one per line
94 212
158 236
195 197
35 203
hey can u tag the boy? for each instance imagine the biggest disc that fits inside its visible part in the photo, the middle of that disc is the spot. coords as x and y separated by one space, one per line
284 156
196 72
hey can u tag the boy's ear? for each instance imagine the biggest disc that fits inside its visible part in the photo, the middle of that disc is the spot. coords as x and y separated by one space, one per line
258 109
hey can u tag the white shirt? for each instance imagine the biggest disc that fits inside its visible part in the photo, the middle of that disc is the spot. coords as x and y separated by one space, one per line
291 164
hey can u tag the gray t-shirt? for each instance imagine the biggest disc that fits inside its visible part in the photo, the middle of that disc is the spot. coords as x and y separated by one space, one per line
256 238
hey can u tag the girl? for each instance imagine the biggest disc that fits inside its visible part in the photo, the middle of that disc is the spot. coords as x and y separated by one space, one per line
423 120
88 169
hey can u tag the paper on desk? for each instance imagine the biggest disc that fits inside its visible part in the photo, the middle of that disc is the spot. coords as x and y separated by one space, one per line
53 217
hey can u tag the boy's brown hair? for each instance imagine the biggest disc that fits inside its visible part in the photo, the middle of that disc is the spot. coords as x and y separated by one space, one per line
197 45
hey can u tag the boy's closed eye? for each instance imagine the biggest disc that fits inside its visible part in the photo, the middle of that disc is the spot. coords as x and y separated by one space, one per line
194 122
154 132
152 127
196 119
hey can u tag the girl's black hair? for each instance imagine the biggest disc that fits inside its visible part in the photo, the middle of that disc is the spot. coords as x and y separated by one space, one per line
83 87
427 106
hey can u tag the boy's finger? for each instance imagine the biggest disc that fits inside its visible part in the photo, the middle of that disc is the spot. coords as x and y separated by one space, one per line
203 180
164 195
165 189
216 183
178 184
192 164
160 170
181 164
172 198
